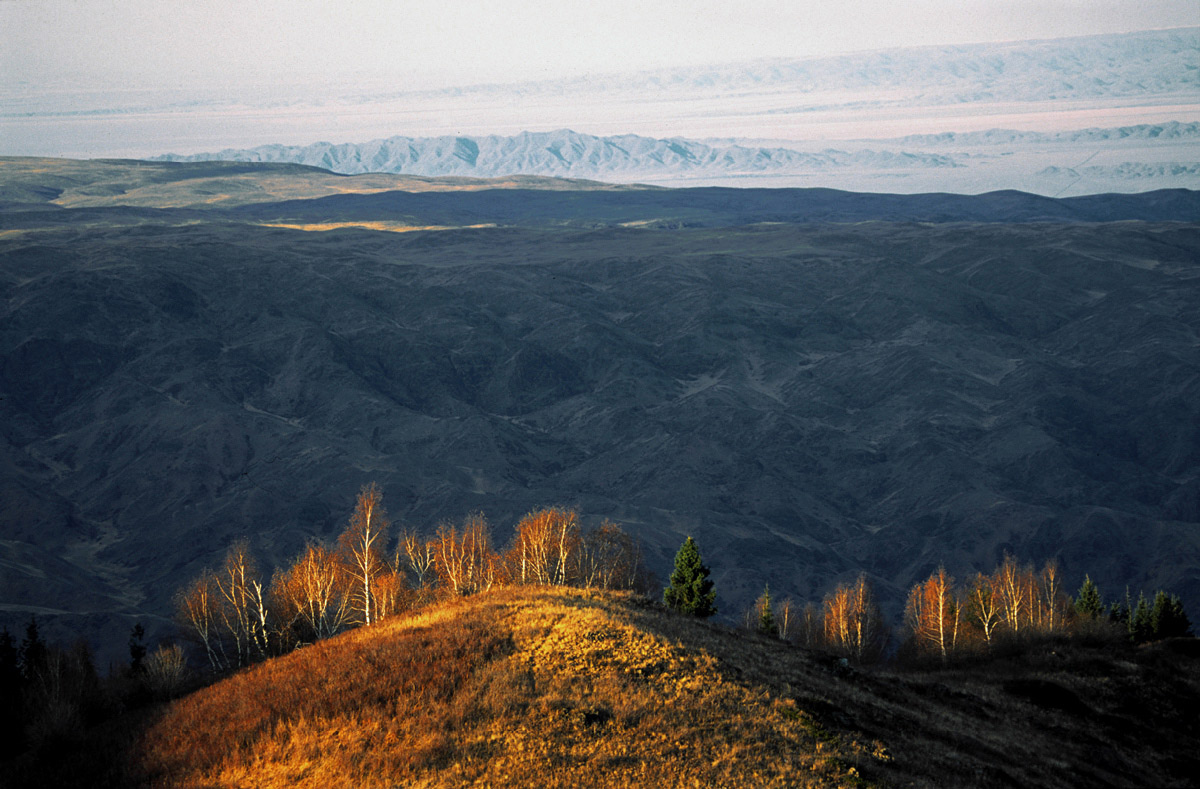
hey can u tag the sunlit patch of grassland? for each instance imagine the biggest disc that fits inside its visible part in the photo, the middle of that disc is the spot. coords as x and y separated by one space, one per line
100 183
520 687
391 227
637 697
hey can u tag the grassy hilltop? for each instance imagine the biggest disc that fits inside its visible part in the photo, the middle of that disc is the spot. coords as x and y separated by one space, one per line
554 686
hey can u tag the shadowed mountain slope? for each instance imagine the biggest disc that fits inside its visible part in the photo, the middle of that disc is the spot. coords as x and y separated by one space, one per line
112 190
806 400
721 207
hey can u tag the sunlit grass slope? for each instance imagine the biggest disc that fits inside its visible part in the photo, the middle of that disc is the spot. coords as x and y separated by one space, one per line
555 687
563 687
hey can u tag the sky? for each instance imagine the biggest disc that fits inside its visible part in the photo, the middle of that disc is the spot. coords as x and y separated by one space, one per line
110 44
135 78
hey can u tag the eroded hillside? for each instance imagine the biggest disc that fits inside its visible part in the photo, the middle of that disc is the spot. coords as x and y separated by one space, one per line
809 394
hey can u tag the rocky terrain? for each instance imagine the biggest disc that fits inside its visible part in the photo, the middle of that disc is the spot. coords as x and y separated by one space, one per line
810 383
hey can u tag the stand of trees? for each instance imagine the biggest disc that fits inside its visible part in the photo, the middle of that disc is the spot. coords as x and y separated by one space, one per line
1147 620
50 693
1015 601
236 615
848 622
943 618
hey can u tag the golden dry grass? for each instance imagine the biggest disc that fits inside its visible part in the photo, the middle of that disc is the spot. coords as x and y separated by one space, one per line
520 687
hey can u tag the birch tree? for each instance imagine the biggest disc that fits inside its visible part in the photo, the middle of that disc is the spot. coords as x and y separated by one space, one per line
313 593
391 592
811 634
361 547
1013 586
854 621
546 548
784 616
836 618
933 613
242 608
418 555
196 612
984 606
611 559
463 557
1052 602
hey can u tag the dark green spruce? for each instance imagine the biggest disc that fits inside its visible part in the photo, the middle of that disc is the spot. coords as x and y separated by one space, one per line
1167 617
690 591
1089 603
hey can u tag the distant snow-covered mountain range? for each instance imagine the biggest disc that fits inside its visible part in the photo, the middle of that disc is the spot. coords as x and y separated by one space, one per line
1044 162
565 153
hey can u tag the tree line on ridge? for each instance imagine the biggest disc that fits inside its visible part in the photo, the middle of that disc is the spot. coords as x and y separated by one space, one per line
943 619
235 615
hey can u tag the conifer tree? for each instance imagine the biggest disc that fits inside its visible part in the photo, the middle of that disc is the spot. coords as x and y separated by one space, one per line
12 720
137 649
1141 629
33 652
766 616
1150 621
1089 603
1167 617
10 663
690 591
1118 612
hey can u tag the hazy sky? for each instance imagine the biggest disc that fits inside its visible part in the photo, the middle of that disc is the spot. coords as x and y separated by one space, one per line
177 44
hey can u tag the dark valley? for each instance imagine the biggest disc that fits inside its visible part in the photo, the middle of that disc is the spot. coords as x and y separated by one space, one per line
810 382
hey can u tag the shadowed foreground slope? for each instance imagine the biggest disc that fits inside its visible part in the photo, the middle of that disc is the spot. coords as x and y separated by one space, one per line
563 687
